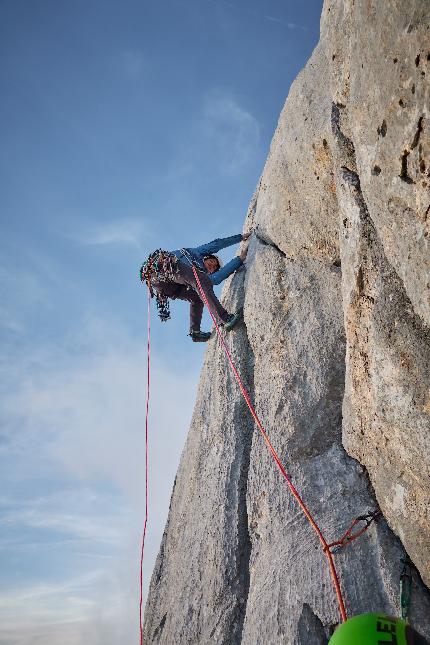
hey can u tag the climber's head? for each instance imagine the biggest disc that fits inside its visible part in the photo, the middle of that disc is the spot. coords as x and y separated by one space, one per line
371 629
212 263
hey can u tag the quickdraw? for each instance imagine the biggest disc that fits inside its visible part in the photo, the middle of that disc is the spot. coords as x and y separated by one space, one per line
349 535
161 266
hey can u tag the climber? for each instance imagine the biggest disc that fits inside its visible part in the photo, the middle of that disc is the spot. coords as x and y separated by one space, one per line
376 629
170 275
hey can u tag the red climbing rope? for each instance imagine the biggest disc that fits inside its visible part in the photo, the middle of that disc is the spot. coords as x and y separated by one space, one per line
328 548
146 468
277 460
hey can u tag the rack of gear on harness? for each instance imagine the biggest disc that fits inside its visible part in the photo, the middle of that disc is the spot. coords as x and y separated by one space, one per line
160 266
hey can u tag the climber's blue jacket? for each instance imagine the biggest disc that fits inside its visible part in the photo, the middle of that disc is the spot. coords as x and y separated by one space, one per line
200 252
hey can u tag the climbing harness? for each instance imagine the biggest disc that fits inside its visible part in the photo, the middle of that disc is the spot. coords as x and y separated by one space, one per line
405 587
148 366
187 255
161 266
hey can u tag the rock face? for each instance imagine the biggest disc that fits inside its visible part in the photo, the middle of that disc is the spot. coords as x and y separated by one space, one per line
335 351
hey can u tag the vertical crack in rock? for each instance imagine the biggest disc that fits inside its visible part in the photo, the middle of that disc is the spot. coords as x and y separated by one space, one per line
310 628
159 630
417 133
404 176
244 546
342 140
382 129
378 315
353 180
243 555
200 585
404 172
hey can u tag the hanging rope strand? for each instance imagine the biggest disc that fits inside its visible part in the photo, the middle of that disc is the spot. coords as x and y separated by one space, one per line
325 546
146 464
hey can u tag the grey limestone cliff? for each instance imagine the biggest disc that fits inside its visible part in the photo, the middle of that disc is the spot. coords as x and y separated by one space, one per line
335 351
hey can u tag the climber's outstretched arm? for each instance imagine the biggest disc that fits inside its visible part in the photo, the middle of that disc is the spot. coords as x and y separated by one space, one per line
225 271
218 276
218 244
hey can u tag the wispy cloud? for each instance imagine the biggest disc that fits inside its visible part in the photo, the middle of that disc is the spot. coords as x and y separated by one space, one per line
74 417
9 322
86 409
256 14
223 137
57 610
78 514
129 231
233 132
285 23
38 593
133 63
26 286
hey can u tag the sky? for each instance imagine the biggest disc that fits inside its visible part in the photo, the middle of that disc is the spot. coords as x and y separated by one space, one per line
125 127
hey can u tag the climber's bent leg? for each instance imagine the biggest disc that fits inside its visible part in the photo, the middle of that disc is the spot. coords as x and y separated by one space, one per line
196 305
186 276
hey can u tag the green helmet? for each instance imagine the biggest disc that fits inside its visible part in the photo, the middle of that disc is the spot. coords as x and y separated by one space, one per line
376 629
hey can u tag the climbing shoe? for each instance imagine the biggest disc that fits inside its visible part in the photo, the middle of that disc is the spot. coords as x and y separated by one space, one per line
200 336
233 320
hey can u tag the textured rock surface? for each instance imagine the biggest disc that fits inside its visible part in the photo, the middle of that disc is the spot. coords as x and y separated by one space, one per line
200 583
384 205
335 350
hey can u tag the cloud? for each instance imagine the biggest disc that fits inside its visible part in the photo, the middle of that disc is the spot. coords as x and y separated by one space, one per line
27 286
257 14
221 138
74 416
129 231
35 597
133 63
232 132
73 513
9 322
86 410
89 609
285 23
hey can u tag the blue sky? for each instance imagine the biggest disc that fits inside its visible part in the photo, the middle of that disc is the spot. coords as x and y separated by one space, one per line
125 127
